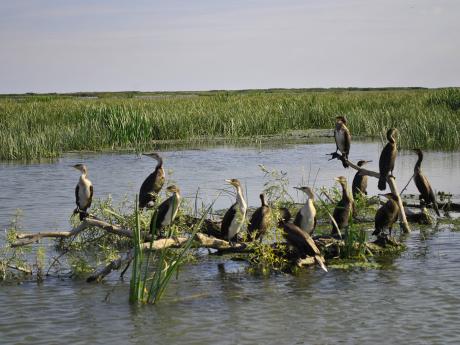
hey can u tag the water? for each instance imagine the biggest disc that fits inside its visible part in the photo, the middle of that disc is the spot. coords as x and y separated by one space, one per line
414 300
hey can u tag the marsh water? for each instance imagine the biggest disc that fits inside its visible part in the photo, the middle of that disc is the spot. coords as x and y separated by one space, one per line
414 299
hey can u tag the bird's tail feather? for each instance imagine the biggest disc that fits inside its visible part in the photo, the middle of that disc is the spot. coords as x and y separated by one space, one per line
320 260
382 183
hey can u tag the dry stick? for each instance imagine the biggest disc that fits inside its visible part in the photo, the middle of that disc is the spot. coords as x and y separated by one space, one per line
402 191
391 182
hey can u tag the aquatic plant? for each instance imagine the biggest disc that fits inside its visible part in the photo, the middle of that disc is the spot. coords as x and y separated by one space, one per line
33 127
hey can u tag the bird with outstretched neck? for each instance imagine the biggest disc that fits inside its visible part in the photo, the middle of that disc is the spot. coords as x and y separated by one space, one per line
235 216
83 191
387 159
423 186
306 217
260 220
342 138
152 184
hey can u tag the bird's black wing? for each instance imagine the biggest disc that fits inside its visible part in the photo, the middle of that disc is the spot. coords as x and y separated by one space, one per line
303 242
77 199
228 217
255 222
298 219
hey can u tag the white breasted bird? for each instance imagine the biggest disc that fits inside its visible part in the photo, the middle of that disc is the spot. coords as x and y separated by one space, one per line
235 216
83 191
342 138
306 217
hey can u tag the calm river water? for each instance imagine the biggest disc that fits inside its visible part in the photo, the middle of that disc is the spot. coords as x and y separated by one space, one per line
414 300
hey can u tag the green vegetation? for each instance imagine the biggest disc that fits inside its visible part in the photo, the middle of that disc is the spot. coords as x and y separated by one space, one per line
40 126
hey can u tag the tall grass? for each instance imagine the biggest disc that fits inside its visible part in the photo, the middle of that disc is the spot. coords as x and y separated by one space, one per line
151 273
35 127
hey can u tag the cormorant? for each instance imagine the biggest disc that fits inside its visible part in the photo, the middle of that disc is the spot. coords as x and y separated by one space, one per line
152 184
342 138
260 220
83 192
306 217
359 185
344 207
386 215
423 186
301 241
235 216
167 210
387 158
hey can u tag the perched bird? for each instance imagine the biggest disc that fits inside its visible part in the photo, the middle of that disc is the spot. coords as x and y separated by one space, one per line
359 185
260 220
342 138
423 186
386 215
83 192
167 210
152 184
344 207
387 158
235 216
306 217
302 242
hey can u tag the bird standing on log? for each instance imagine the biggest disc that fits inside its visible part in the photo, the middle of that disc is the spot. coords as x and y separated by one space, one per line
152 184
167 211
83 192
235 216
386 215
423 186
342 138
301 241
387 158
306 217
359 185
344 207
260 220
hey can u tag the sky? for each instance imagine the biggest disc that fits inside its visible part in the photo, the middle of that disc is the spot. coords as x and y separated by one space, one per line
111 45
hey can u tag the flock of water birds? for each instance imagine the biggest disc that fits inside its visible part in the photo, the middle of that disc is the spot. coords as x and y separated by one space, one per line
297 233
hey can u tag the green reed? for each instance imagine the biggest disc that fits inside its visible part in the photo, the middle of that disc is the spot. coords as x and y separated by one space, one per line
34 127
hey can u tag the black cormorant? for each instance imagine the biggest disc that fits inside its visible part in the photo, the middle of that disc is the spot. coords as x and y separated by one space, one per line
260 220
342 138
83 192
306 217
167 210
359 185
387 158
386 215
302 242
423 186
152 184
235 216
344 207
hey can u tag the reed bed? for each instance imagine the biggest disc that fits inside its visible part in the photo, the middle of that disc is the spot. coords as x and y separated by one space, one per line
34 127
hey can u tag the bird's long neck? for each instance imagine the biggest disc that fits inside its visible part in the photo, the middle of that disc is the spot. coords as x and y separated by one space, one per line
346 195
391 138
418 165
240 199
84 177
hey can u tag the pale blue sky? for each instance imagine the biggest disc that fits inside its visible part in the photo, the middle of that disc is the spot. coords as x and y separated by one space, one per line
90 45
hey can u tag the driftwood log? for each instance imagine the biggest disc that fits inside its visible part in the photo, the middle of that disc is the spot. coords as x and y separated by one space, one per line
391 182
